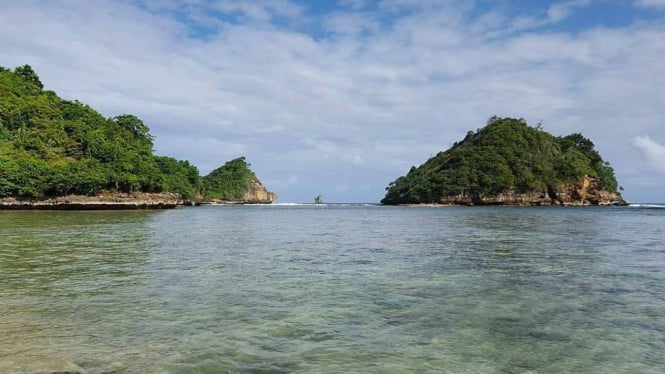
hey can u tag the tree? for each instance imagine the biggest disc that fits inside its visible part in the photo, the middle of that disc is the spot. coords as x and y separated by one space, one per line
29 75
54 147
138 130
229 181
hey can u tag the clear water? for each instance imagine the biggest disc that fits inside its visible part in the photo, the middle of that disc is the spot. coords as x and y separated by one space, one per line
330 289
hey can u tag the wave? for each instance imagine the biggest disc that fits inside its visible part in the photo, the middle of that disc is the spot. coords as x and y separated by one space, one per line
289 204
647 206
322 205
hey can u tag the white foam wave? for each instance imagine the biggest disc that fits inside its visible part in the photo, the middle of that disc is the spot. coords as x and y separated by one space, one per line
650 206
296 204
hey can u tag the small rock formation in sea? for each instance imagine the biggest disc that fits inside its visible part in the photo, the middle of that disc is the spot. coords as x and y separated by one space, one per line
318 199
510 163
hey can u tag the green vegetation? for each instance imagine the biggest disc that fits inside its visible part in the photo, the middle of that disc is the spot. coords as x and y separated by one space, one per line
228 182
507 155
55 147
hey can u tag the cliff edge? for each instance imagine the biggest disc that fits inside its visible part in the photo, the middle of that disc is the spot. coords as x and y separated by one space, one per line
585 193
256 193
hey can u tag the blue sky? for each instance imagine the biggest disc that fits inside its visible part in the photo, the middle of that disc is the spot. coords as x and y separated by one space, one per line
341 97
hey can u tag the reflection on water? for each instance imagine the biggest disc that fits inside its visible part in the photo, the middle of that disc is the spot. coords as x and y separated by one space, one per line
333 289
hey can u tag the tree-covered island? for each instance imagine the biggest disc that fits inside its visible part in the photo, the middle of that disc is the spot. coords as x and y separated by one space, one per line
509 162
59 153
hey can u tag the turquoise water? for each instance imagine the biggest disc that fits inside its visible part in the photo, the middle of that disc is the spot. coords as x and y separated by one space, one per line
330 289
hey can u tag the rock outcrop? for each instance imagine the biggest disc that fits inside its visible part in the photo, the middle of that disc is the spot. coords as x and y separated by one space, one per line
256 193
586 193
108 201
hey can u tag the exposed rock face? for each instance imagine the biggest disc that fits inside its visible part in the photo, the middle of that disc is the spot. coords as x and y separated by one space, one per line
256 193
585 193
588 192
99 202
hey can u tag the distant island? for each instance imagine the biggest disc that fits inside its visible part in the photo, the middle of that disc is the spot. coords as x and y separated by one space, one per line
508 162
61 154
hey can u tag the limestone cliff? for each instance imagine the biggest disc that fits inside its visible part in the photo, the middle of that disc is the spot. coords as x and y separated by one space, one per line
235 183
255 193
585 193
104 201
588 192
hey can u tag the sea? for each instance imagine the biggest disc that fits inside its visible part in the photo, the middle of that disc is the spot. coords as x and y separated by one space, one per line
336 288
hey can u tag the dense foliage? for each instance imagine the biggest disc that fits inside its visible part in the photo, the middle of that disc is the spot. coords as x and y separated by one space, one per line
507 155
54 147
228 182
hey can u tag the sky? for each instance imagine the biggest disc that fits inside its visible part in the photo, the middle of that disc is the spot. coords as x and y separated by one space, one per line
339 98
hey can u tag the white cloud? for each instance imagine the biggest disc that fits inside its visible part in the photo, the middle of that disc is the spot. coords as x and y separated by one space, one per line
351 23
357 160
354 4
259 10
653 152
560 11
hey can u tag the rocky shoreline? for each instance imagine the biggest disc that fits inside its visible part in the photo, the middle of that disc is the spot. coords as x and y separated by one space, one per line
256 194
115 201
586 193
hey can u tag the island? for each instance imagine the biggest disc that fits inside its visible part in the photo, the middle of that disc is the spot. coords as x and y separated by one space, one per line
235 183
508 162
62 154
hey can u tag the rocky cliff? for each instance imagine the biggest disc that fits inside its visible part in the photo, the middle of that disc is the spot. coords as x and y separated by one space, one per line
256 193
585 193
103 201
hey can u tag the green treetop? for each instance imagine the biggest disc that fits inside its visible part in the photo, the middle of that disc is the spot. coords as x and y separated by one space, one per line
53 147
228 182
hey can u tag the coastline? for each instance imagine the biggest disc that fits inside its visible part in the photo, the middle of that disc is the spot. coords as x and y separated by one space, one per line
523 205
115 201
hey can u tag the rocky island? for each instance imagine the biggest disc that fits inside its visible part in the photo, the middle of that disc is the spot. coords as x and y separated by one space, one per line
235 183
509 162
61 154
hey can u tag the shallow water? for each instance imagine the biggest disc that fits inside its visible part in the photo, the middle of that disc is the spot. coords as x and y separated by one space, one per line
329 289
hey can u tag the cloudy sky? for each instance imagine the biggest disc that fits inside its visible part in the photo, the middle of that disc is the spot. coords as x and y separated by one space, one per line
341 97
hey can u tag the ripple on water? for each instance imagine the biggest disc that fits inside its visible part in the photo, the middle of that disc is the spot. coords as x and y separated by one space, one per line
333 289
